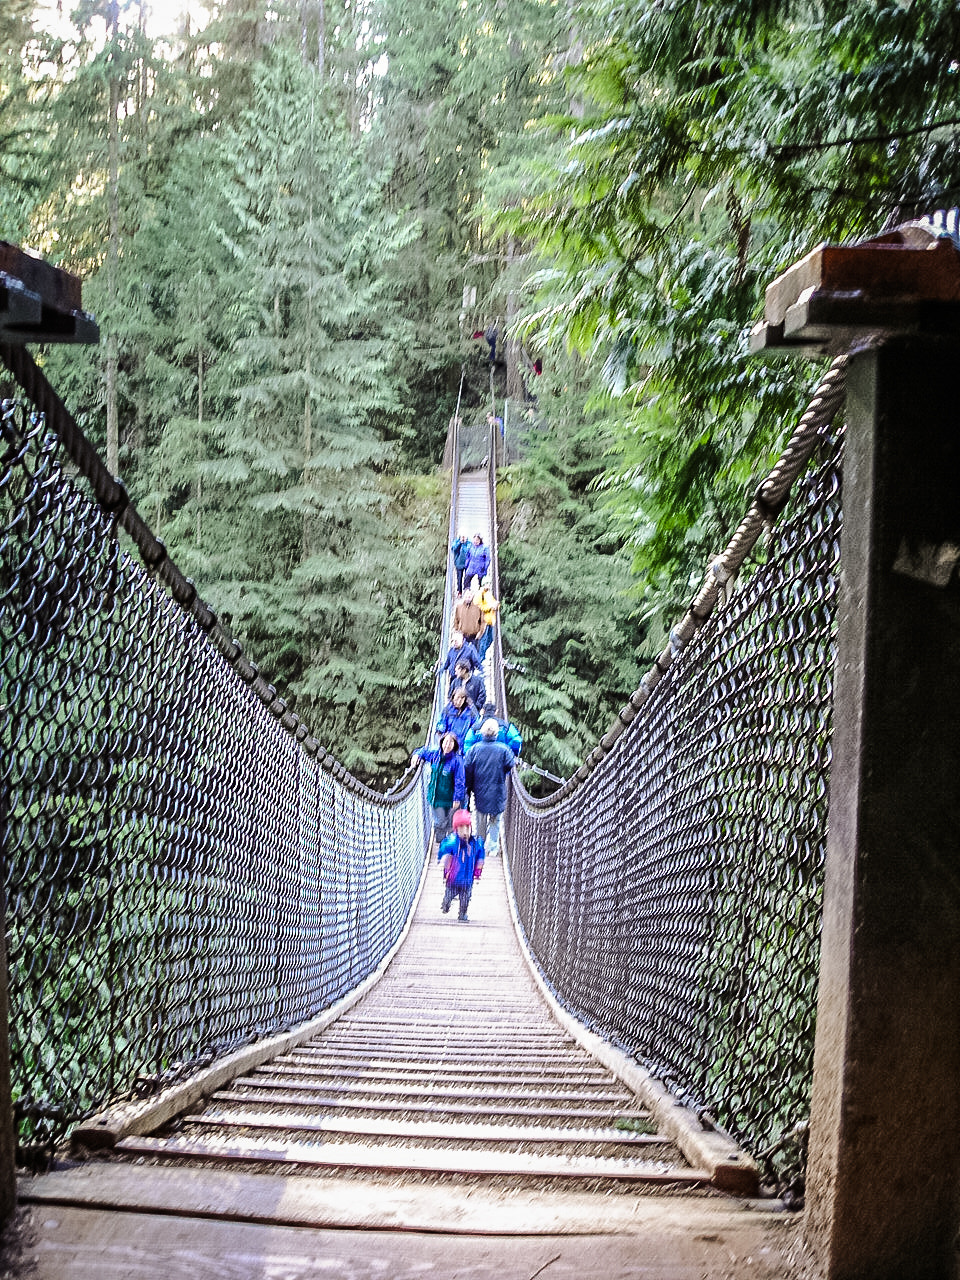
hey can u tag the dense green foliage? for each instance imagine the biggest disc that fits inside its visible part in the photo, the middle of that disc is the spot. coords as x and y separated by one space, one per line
276 216
568 619
713 144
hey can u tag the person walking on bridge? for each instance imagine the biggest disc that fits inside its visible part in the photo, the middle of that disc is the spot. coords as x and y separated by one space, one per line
507 732
446 790
460 650
487 764
478 560
467 618
457 716
488 605
471 682
461 857
461 551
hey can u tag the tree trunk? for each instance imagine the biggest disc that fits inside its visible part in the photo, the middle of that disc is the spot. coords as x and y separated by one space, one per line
321 36
574 55
511 348
199 485
113 243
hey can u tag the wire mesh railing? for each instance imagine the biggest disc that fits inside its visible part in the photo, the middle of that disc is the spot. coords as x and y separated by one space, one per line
184 871
671 891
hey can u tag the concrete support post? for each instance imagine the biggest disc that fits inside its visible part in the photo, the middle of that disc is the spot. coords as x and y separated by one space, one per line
8 1180
884 1174
8 1183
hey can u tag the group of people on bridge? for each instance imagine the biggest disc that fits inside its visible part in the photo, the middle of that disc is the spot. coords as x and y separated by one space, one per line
476 750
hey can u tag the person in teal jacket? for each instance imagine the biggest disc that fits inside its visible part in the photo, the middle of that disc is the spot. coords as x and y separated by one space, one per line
461 553
446 790
461 857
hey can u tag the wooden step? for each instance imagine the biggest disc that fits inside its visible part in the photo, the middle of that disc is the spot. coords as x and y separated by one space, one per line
295 1065
447 1131
455 1160
361 1089
318 1102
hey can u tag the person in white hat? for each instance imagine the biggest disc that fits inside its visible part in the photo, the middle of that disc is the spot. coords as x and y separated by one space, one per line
487 766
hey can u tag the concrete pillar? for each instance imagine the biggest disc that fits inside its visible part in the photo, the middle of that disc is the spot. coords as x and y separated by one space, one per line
8 1184
884 1170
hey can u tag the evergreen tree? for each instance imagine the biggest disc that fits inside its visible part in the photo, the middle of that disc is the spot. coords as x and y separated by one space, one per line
22 140
285 513
712 145
571 630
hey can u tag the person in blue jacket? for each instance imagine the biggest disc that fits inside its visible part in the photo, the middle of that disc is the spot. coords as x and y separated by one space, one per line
508 732
487 764
478 560
460 651
446 790
461 551
461 857
457 716
471 682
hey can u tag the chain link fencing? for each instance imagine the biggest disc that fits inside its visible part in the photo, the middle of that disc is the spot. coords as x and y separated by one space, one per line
183 873
671 892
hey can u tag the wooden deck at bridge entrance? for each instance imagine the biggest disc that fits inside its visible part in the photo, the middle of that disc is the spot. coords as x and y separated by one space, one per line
446 1125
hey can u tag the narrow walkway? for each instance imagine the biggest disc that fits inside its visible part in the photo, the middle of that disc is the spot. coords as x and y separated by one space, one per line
448 1103
451 1065
445 1126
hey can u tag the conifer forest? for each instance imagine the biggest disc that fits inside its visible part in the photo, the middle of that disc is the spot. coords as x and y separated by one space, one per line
292 216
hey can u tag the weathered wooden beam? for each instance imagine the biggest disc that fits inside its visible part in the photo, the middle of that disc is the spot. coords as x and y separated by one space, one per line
39 302
422 1159
840 297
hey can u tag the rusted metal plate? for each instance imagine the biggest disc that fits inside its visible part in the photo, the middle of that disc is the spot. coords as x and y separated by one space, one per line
839 296
39 302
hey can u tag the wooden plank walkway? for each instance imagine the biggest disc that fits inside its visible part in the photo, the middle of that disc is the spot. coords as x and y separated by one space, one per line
447 1119
451 1066
184 1207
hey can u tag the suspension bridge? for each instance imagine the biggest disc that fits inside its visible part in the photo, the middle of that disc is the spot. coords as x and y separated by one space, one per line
232 994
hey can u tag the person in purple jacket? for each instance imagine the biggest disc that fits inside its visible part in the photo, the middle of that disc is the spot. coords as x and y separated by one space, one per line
478 561
461 857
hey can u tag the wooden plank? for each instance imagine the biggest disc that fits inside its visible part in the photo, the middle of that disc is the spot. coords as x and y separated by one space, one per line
452 1131
362 1089
238 1197
474 1037
416 1159
606 1114
292 1064
54 286
426 1059
445 1050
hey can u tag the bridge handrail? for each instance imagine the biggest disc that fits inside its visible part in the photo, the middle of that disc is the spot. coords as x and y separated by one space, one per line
113 498
182 875
671 891
768 502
